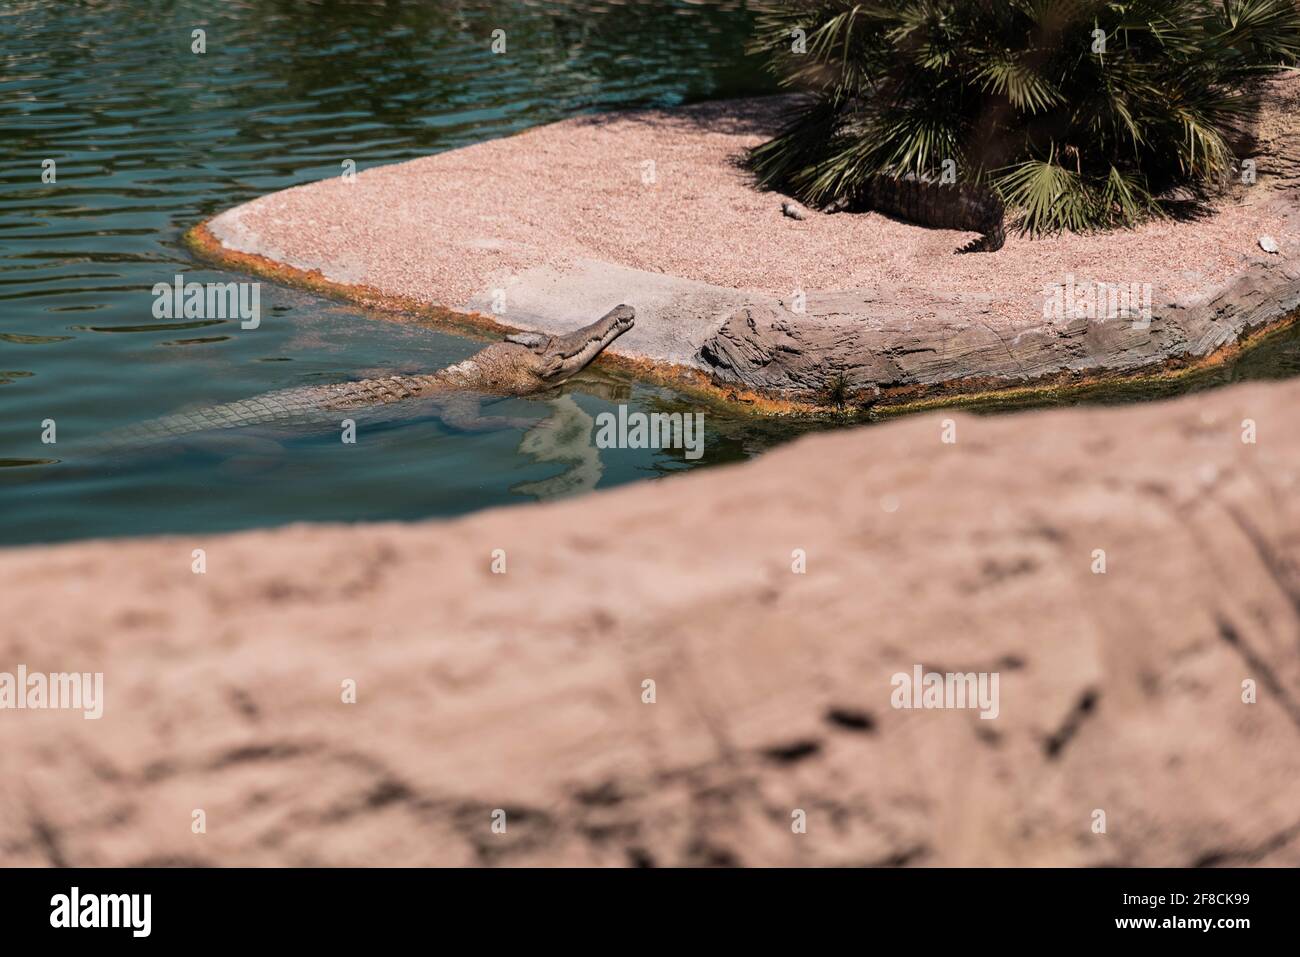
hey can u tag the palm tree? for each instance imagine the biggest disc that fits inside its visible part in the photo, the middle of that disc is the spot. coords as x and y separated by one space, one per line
1081 114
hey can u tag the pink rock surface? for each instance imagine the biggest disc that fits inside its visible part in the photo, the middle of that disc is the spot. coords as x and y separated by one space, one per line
1119 692
565 221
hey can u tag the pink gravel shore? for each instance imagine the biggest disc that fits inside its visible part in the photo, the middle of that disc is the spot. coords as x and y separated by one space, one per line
570 218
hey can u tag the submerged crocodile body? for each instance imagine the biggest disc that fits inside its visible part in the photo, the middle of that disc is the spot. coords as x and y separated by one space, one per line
526 363
941 206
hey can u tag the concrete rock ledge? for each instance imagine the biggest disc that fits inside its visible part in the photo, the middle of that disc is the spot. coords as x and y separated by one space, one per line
1119 692
550 227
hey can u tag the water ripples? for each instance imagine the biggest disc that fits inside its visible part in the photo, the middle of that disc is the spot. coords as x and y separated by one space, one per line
149 138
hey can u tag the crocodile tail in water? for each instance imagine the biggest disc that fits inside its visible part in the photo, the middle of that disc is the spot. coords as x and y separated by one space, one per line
304 405
965 207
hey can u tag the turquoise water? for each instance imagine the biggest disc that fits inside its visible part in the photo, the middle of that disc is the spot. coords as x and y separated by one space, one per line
150 139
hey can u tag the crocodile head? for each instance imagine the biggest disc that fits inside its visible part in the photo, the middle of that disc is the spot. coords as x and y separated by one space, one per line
563 357
534 361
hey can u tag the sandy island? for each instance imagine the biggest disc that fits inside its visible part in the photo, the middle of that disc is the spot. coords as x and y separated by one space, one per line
553 226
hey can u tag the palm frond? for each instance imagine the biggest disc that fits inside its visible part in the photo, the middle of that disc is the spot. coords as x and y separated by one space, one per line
1014 92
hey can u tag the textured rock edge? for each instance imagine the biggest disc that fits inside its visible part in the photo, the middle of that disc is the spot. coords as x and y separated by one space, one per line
523 691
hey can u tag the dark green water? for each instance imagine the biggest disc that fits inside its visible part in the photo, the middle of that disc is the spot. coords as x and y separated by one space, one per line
150 138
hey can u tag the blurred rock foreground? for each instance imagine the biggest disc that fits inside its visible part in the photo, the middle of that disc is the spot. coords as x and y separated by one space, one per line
1119 692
